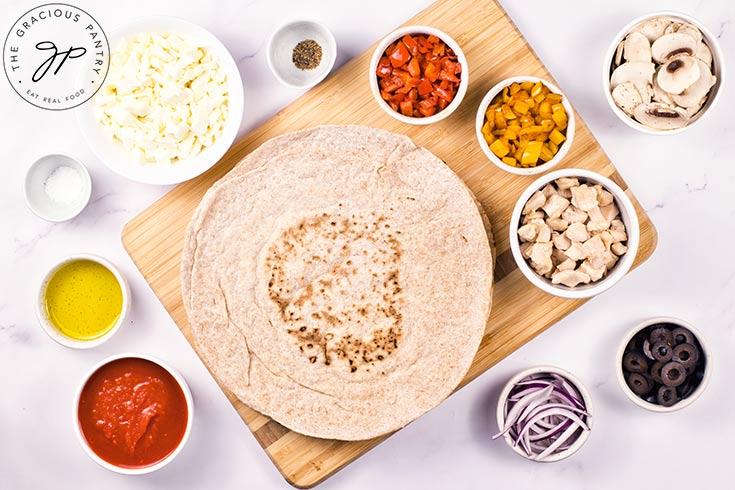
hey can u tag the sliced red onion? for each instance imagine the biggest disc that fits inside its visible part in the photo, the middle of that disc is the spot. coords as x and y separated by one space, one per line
544 415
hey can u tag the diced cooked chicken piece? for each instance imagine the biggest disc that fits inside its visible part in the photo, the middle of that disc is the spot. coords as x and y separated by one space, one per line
526 250
565 193
529 232
609 211
532 216
549 190
574 215
560 241
567 265
595 273
544 232
597 221
604 198
594 249
577 232
566 182
570 278
558 256
555 205
617 224
576 251
584 197
612 260
557 224
535 202
606 238
618 235
541 257
618 249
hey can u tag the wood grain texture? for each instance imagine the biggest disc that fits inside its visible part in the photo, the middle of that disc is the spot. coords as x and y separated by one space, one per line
495 50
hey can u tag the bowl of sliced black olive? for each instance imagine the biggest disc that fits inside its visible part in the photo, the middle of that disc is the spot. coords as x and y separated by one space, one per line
663 364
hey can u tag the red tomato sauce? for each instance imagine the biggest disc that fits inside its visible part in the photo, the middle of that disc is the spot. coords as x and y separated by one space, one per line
132 413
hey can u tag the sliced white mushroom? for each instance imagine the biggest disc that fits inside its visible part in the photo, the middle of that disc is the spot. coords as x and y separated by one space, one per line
692 96
691 111
678 74
619 53
672 44
690 30
652 28
645 89
659 116
632 72
570 278
637 48
659 94
703 53
672 28
627 97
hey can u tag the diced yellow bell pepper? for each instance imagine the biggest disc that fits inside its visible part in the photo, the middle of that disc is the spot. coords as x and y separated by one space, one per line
500 122
547 125
553 146
553 98
531 153
536 90
520 107
500 148
508 112
527 86
546 153
556 137
515 88
544 108
509 161
510 134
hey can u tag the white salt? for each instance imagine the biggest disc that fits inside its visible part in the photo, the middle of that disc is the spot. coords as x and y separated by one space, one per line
63 185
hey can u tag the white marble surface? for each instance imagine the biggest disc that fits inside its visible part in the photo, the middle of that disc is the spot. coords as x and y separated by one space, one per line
683 181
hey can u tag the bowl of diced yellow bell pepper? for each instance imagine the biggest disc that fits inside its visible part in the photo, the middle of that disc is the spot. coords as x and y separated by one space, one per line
525 125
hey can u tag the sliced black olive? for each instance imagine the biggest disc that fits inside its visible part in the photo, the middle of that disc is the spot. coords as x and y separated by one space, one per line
636 343
647 349
667 396
635 362
687 355
662 352
656 372
682 335
685 389
673 374
639 384
661 334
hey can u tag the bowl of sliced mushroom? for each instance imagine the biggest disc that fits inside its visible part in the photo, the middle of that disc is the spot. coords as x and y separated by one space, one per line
663 72
574 233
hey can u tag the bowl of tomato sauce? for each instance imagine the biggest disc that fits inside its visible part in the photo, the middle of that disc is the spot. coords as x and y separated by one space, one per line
418 74
133 413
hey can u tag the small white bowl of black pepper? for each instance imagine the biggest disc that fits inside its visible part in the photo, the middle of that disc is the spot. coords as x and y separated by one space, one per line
301 53
663 364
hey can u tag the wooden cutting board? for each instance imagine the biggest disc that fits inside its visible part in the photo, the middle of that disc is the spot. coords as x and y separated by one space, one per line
495 50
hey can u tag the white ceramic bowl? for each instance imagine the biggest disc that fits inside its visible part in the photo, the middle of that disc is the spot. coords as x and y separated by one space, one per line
718 64
37 199
627 213
500 411
480 120
62 339
280 53
449 41
147 469
112 153
692 396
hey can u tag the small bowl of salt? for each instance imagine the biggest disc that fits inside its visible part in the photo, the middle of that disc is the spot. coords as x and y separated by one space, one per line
57 187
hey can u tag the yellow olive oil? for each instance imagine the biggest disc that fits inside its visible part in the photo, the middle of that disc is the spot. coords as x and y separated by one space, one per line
83 300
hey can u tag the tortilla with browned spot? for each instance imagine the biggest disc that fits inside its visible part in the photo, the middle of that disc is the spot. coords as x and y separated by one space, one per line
338 280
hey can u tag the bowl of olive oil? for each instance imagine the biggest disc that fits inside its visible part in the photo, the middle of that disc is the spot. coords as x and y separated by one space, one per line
82 301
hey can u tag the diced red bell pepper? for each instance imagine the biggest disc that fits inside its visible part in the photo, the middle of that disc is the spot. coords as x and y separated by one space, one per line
384 67
413 68
406 108
425 87
400 55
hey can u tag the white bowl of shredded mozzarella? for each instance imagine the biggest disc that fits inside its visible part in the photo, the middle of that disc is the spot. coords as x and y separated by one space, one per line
171 104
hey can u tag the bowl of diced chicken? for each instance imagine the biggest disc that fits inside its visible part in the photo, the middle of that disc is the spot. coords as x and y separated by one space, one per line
574 233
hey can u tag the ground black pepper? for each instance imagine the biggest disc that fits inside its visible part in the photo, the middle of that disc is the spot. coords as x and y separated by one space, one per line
307 55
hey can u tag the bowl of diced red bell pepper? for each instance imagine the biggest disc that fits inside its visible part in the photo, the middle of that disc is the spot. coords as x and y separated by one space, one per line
418 74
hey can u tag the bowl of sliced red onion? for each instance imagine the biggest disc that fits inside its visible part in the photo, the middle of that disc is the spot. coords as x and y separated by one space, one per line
544 414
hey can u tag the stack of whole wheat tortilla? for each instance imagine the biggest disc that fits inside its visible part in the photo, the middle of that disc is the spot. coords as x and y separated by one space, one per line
339 280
